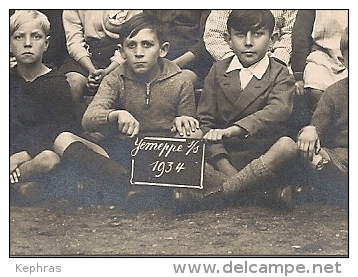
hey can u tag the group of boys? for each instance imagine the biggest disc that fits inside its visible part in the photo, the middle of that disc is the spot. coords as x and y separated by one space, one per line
241 115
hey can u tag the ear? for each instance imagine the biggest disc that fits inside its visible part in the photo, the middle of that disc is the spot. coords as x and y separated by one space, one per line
273 38
227 38
120 49
47 42
164 49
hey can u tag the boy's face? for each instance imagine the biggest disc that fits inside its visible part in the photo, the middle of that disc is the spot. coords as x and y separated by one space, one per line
142 52
28 43
250 47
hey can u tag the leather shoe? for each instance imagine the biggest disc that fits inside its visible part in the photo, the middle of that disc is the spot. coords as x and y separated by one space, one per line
281 196
213 185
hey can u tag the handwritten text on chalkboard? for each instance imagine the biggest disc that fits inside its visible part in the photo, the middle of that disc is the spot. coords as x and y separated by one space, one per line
168 162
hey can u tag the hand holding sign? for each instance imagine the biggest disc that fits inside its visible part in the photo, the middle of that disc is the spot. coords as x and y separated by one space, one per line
185 125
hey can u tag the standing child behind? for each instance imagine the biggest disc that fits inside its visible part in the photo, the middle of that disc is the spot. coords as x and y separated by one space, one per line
316 57
184 30
324 143
91 39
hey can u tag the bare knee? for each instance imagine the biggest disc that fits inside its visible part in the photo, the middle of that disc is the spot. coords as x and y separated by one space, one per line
281 153
47 160
77 84
286 147
62 141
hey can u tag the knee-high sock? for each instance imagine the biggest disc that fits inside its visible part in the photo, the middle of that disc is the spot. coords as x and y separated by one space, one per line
254 174
213 178
100 168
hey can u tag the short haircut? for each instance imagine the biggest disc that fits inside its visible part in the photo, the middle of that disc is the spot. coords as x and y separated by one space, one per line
139 22
344 40
21 17
250 20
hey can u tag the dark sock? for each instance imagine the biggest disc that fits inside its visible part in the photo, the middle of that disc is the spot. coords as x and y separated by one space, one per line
100 168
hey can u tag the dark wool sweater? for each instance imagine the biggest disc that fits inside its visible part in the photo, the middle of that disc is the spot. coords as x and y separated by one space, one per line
39 111
331 116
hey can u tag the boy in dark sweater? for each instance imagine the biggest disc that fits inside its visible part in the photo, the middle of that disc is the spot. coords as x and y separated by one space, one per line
329 127
40 103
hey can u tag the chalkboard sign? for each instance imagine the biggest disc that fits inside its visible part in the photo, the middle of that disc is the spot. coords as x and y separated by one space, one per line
175 162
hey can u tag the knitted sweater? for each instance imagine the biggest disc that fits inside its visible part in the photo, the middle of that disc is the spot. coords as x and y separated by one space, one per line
331 116
170 95
39 111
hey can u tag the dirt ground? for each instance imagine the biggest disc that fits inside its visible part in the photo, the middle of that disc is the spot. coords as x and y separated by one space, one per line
61 227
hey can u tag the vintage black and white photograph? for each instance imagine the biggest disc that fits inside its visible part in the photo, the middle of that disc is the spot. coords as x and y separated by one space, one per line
179 133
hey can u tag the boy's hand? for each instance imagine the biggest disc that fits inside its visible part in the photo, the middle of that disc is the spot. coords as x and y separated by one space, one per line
95 78
216 135
14 176
308 141
299 88
15 161
184 125
13 62
127 124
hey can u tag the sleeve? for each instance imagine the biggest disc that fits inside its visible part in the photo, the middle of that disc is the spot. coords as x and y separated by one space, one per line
323 115
282 48
75 40
199 47
301 41
95 118
187 100
278 107
64 110
208 113
214 40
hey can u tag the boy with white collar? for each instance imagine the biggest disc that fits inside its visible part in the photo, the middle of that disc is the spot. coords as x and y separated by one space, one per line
243 109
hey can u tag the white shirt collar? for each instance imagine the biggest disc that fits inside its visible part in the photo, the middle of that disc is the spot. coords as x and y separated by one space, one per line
257 69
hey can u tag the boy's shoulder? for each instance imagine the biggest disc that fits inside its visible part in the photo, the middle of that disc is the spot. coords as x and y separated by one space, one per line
274 66
222 65
343 83
169 69
338 89
53 73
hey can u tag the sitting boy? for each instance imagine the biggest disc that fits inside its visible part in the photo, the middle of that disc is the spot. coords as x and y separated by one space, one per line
329 128
145 95
243 109
38 112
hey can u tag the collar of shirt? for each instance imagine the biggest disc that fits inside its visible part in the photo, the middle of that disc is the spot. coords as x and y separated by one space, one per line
258 70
